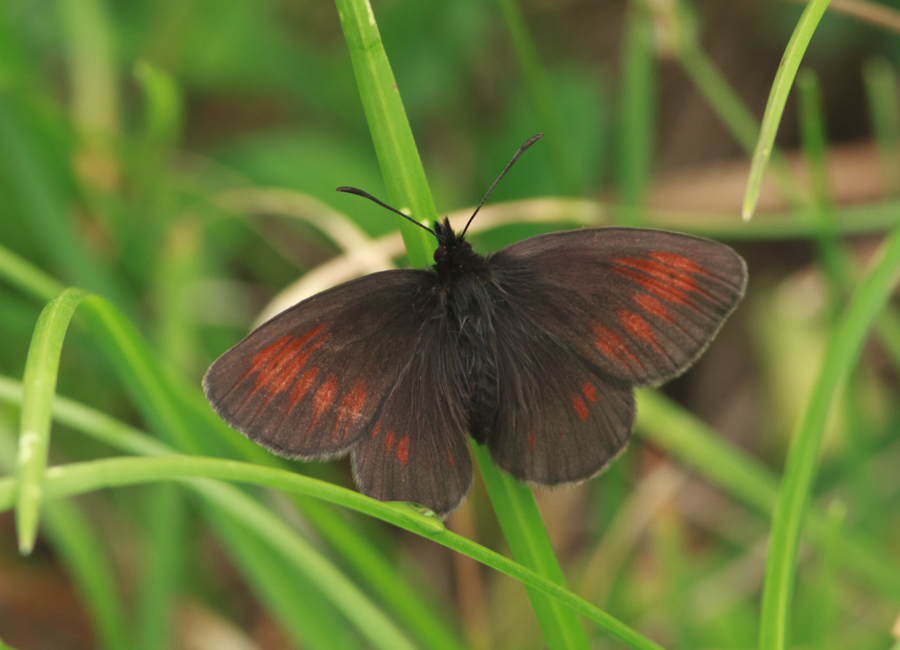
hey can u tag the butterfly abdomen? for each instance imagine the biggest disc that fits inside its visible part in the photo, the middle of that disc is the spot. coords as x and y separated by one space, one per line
472 321
466 277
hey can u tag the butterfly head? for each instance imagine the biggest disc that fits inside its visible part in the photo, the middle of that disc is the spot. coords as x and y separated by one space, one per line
453 251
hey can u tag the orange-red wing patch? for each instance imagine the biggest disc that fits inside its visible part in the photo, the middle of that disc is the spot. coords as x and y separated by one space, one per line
403 450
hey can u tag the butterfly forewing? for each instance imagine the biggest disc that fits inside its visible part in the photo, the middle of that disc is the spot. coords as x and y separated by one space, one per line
640 305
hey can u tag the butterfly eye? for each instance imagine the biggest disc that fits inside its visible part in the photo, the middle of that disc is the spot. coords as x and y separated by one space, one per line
439 253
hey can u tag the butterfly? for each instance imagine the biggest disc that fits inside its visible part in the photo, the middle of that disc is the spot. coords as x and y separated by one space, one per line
534 351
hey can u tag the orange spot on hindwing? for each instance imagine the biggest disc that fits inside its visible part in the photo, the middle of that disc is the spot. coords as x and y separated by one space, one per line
590 393
580 407
389 441
531 440
351 408
403 450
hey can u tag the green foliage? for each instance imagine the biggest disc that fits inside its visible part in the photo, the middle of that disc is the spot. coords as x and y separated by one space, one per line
168 167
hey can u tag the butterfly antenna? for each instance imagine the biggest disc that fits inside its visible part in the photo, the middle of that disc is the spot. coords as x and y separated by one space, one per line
366 195
530 141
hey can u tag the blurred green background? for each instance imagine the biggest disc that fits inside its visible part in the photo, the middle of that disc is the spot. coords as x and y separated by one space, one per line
179 158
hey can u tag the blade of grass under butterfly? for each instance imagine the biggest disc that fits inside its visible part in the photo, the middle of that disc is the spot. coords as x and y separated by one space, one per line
403 174
659 419
79 478
391 134
841 353
529 543
784 78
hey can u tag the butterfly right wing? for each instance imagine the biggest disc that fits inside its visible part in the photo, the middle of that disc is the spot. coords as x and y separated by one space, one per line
362 367
583 315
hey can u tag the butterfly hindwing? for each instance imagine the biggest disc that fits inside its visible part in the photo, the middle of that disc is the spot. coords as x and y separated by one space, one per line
417 449
640 305
557 420
343 371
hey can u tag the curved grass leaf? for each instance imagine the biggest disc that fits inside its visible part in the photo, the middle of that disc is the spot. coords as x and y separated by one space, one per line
794 495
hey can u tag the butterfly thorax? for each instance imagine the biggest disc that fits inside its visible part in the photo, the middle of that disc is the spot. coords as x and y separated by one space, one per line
465 280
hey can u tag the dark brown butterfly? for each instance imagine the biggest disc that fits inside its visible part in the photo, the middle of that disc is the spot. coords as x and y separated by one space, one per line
534 351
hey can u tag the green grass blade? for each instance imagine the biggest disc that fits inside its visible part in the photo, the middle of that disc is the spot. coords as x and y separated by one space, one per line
883 94
312 620
794 495
562 165
162 567
333 584
80 478
38 194
88 35
403 174
530 545
168 406
27 278
393 139
784 78
637 116
733 112
41 370
126 438
659 420
691 441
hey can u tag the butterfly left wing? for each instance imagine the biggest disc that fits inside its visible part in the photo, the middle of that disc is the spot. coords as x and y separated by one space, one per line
581 316
345 371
